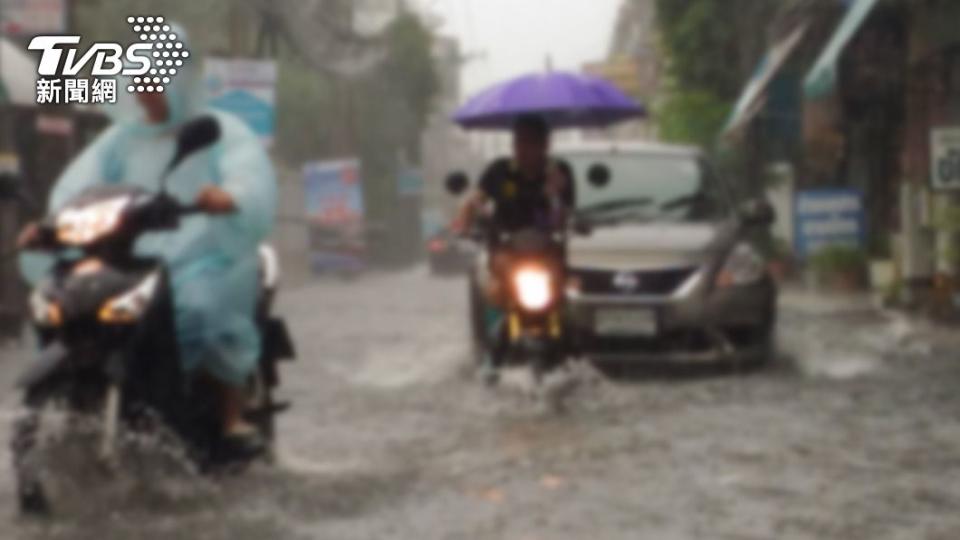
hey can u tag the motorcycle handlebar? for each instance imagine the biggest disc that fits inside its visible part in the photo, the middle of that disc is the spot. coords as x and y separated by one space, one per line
163 212
181 209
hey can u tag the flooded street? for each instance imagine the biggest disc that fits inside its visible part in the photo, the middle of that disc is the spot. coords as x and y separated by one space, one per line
852 434
650 182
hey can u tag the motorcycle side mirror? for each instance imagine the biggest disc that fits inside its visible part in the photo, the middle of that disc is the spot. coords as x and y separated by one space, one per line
758 213
457 183
195 136
599 175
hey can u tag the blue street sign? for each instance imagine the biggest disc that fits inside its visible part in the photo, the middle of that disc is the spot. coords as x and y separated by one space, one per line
829 217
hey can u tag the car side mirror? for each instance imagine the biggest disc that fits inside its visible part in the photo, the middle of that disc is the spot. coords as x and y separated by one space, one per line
599 175
457 183
758 213
195 136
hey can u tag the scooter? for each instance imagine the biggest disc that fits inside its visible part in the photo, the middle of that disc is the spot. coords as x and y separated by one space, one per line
104 318
529 267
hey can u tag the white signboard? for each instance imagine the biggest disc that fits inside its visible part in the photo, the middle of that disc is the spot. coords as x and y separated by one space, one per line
246 88
945 158
32 17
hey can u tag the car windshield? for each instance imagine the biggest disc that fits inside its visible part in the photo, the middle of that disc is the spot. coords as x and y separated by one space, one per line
648 187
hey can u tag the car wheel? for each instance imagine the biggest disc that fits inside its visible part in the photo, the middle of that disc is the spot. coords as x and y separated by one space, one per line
766 348
764 343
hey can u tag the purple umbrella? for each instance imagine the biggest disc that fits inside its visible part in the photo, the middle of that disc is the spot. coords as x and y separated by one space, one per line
565 100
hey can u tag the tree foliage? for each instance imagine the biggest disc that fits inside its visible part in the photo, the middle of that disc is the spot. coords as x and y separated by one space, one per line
699 45
693 117
339 94
390 108
711 48
404 87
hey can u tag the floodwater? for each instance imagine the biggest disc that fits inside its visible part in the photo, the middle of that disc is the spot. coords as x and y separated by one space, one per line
852 433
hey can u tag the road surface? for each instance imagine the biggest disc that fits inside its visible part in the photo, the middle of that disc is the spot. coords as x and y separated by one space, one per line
853 434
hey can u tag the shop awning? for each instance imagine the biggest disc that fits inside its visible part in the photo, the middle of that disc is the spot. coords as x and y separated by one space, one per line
753 98
822 78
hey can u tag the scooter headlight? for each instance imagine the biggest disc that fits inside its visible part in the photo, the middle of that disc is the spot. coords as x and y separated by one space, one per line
534 287
83 225
131 305
743 267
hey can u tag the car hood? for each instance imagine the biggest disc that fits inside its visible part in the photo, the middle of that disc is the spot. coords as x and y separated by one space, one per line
632 246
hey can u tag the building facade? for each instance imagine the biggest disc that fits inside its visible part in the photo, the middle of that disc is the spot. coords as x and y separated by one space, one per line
633 65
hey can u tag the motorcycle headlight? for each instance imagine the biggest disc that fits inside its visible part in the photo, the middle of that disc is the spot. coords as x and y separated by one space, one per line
533 285
131 305
742 267
45 311
81 226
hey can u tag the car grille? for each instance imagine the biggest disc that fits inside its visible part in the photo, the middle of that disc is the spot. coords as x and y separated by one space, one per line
648 282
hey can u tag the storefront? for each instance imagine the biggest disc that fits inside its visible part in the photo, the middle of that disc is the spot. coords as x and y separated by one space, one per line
855 111
930 203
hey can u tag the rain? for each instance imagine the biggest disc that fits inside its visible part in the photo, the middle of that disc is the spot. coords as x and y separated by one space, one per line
479 269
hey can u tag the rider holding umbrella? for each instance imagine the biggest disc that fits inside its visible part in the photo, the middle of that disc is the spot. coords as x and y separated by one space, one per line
531 187
530 190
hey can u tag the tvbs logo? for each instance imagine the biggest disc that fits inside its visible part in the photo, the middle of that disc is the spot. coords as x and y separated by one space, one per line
151 63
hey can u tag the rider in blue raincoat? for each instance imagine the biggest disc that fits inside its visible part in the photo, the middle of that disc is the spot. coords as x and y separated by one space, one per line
212 257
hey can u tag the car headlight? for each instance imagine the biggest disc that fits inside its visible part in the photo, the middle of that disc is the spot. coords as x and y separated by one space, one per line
45 311
131 305
81 226
533 285
742 267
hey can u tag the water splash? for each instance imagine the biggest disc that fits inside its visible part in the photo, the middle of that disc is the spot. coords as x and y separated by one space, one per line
152 471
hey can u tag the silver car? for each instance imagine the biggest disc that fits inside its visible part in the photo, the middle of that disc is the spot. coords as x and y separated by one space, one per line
662 266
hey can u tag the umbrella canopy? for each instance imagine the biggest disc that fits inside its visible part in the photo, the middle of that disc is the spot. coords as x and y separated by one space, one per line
564 100
18 75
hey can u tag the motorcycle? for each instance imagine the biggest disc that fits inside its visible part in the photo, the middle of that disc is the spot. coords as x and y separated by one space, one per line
106 328
529 267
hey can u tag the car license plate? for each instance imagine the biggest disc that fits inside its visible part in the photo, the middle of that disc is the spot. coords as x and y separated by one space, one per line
626 322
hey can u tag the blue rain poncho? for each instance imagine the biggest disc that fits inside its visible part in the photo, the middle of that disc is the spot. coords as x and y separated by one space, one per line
212 259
